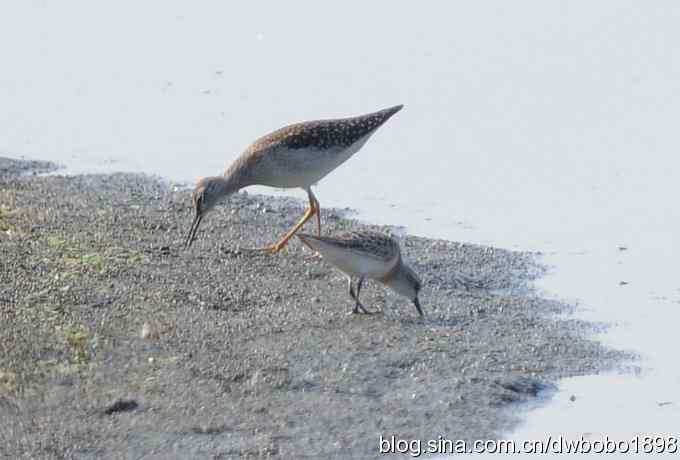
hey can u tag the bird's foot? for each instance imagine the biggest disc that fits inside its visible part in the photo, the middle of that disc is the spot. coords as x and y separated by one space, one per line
358 308
271 249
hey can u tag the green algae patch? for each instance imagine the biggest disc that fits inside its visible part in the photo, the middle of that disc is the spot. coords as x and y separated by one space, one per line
78 341
74 256
8 381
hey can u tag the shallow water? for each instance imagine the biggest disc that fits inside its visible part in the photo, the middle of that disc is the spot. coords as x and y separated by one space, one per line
536 125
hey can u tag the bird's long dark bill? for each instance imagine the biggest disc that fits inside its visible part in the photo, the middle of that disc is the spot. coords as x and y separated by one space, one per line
416 302
192 231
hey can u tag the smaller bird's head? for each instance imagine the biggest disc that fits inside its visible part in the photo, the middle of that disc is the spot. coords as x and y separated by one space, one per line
408 284
205 196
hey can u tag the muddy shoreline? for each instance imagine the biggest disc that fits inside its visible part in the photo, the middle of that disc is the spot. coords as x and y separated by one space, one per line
117 343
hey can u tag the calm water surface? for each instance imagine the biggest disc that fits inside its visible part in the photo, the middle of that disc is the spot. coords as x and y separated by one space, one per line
537 125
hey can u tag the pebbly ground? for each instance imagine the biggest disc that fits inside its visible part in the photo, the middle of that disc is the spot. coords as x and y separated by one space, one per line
117 343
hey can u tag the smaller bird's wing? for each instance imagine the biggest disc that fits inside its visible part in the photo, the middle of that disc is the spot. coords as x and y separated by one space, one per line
372 244
366 244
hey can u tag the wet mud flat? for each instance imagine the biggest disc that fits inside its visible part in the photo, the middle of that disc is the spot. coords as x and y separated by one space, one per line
117 343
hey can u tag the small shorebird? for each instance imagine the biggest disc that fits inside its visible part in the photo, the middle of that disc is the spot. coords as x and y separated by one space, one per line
295 156
368 255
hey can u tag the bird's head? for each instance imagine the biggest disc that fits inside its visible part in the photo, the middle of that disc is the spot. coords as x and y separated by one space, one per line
205 196
407 283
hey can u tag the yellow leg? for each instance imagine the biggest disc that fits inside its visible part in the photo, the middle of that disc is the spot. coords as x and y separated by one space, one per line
313 209
274 248
317 212
314 204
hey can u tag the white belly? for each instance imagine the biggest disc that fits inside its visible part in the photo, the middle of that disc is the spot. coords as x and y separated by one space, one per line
360 266
292 168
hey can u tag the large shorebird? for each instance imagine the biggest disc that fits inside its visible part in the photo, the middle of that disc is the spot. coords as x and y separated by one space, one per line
368 255
295 156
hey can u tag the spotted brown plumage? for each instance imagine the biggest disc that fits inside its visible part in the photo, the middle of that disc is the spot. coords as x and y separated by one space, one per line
324 134
297 156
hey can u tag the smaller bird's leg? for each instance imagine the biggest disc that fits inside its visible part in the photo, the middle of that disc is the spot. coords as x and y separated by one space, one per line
354 297
358 305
